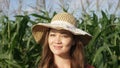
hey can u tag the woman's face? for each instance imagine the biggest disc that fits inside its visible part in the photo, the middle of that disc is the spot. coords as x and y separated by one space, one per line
60 42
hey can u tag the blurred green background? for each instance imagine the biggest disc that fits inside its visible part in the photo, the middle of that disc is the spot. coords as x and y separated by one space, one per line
18 48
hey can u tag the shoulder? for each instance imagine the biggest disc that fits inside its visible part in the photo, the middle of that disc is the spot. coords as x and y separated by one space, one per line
89 66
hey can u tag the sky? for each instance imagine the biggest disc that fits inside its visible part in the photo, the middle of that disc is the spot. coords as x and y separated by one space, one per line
74 5
26 5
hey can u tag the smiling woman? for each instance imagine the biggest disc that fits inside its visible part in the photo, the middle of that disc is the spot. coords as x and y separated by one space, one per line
60 42
63 43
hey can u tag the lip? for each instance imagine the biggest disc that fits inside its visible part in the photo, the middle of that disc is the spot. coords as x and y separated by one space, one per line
58 47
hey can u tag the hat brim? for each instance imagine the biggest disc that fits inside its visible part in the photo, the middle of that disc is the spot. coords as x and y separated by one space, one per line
39 32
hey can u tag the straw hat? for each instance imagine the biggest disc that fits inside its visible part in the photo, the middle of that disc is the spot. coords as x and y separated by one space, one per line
60 21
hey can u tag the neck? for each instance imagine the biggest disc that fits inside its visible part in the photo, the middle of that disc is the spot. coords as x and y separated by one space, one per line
62 62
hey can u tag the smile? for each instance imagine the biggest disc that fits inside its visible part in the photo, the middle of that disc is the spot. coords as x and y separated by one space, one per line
58 47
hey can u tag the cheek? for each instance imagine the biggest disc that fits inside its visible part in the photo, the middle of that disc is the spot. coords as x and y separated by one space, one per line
67 43
67 46
50 43
50 40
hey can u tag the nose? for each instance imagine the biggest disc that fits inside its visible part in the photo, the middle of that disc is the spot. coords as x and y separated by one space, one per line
57 40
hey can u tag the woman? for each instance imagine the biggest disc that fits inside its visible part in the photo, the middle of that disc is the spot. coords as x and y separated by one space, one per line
63 43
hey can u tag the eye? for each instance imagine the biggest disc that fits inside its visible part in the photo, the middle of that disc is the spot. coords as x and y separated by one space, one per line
51 35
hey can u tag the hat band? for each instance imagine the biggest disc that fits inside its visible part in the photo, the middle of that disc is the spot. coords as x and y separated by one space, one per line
64 24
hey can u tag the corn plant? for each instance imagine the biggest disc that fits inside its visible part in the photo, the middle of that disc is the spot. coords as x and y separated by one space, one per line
18 49
103 50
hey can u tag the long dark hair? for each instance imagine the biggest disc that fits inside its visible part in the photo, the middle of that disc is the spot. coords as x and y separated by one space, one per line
76 53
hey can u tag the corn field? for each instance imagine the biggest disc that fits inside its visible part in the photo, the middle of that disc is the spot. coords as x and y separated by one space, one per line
18 49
